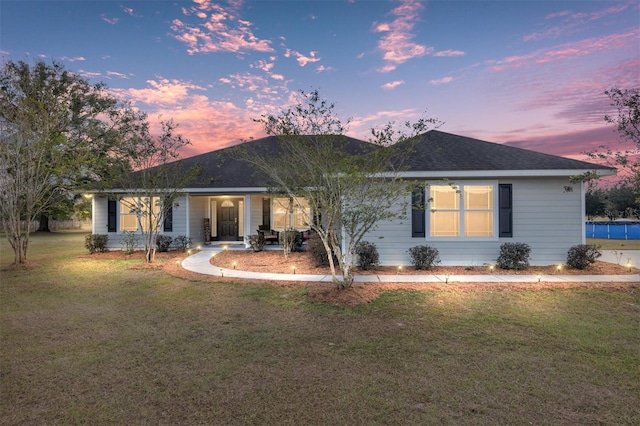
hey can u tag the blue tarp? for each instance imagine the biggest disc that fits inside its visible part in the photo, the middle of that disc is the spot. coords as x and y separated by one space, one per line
613 230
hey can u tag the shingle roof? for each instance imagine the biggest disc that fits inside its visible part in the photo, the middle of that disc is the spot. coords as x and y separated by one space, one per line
434 151
220 169
440 151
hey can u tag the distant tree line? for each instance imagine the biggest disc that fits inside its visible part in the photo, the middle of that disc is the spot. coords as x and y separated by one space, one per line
616 202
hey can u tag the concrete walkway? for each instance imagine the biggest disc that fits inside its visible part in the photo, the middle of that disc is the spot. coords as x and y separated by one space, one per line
200 263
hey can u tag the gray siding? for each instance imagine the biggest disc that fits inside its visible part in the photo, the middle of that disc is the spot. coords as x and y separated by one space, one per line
100 211
198 210
545 216
256 213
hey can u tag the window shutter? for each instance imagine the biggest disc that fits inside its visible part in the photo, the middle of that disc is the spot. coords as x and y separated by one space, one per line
266 212
168 220
418 213
111 215
505 201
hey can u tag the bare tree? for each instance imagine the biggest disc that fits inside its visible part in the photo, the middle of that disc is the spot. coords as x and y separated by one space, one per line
150 180
350 186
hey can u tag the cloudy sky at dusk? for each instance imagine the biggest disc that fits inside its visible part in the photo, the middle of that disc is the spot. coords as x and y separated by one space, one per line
527 73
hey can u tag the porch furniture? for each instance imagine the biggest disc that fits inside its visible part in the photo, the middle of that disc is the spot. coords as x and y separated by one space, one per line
269 235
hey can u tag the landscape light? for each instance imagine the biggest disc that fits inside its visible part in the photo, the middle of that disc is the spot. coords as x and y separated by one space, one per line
629 265
221 272
446 279
189 251
539 277
491 268
294 269
560 267
199 248
225 248
234 264
399 268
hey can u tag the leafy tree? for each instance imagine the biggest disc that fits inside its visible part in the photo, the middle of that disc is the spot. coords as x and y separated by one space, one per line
150 180
349 194
595 203
55 130
622 199
627 120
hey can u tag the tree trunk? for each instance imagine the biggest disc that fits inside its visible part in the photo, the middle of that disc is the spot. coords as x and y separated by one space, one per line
19 243
44 223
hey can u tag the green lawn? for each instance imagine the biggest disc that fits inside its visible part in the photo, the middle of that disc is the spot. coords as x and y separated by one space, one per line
87 341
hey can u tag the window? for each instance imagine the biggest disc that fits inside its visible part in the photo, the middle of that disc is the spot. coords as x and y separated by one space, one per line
288 213
128 214
131 207
462 211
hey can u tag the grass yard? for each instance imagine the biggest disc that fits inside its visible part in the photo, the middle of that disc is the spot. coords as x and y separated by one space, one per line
88 341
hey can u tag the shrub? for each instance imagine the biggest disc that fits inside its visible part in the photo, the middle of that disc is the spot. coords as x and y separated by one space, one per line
256 242
290 240
182 243
582 255
368 257
514 256
424 257
316 250
96 243
163 242
130 241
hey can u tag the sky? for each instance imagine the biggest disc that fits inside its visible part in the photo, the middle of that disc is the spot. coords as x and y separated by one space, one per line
530 74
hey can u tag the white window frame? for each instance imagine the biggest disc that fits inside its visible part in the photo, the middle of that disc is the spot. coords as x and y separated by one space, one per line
143 220
295 215
460 187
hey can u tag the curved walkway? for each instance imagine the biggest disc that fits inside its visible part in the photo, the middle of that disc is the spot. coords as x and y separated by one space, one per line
200 263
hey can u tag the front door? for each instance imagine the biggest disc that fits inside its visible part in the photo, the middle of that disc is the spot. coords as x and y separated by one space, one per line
227 220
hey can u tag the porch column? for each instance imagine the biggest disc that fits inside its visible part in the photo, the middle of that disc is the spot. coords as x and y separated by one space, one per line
188 215
247 219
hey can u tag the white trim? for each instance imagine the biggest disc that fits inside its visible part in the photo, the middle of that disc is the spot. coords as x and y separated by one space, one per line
583 209
188 216
93 215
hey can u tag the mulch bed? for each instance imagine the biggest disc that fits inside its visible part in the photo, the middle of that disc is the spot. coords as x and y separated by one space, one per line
273 261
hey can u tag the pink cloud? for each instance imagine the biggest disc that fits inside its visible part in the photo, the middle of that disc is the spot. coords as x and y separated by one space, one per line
162 92
397 42
444 80
73 58
571 144
569 50
573 22
322 68
300 58
392 84
222 30
108 20
449 53
117 74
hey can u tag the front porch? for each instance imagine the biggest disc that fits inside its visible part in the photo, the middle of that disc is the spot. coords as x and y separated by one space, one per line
230 219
